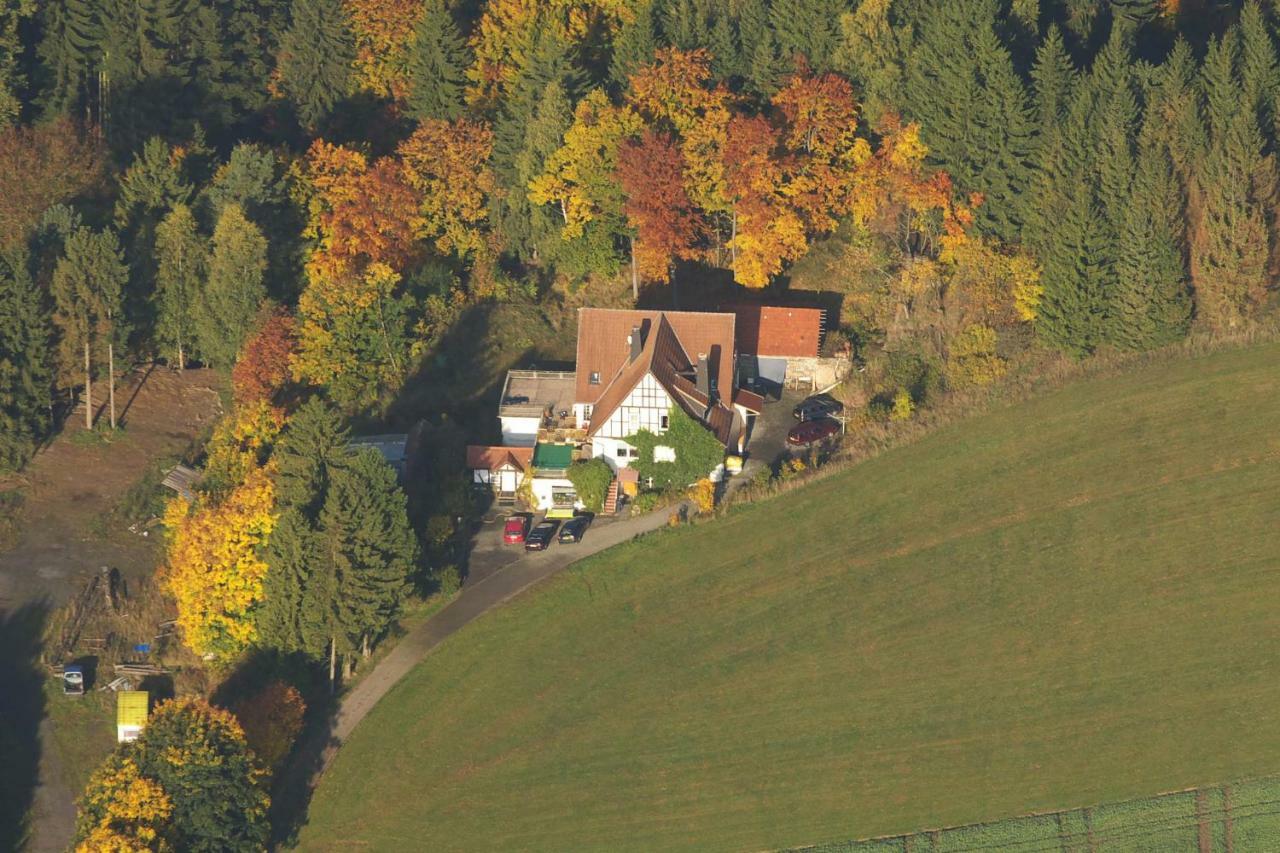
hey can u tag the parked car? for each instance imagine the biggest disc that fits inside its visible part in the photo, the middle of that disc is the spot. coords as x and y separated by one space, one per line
516 529
540 537
807 432
73 680
816 407
574 528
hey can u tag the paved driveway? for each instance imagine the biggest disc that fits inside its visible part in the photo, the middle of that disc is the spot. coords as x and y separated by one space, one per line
497 575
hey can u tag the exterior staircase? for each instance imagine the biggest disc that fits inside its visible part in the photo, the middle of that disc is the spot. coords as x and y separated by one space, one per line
611 497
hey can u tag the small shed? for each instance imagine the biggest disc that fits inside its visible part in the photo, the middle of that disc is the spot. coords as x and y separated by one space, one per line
131 714
182 480
501 469
393 447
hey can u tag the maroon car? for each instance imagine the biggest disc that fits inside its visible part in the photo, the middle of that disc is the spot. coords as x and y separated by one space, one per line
810 431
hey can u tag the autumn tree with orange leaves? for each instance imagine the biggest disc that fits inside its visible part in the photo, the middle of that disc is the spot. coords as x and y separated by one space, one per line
262 370
665 224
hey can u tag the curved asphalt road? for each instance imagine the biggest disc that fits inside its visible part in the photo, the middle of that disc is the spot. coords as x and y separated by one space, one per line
477 598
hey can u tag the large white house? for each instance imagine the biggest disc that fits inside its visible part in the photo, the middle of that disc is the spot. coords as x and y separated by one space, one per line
634 366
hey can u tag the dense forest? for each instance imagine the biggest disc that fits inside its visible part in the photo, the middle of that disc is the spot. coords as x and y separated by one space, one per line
309 191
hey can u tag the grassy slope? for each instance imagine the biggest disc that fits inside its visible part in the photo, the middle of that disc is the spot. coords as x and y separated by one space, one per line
1062 602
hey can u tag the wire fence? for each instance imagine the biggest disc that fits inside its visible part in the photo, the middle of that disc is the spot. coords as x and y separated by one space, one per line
1238 817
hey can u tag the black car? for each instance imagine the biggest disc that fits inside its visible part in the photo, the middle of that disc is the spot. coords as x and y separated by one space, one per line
574 528
541 535
817 406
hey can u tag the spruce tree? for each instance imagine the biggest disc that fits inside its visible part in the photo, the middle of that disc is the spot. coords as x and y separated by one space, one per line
752 20
543 137
12 77
635 45
1234 190
292 617
1053 83
437 65
150 187
722 41
68 52
180 267
316 56
1151 306
312 447
233 288
1114 128
551 61
686 24
972 108
767 69
1073 309
1259 75
871 54
25 377
365 535
808 28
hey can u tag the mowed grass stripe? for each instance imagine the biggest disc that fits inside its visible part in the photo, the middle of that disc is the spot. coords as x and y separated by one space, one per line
1066 601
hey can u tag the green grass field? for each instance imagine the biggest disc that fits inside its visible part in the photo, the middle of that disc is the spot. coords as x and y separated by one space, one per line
1069 601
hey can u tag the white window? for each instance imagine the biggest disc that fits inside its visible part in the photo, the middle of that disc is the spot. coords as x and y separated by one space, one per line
586 414
594 378
662 453
666 421
622 453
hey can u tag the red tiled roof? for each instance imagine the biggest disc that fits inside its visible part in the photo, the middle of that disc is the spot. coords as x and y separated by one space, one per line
663 356
481 458
603 347
772 330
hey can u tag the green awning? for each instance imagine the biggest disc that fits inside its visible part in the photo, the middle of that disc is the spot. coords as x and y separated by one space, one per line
552 455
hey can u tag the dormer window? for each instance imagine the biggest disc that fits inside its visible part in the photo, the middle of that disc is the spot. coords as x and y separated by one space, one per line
594 378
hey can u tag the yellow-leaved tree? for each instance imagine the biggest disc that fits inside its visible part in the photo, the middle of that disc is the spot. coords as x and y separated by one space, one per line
122 810
214 568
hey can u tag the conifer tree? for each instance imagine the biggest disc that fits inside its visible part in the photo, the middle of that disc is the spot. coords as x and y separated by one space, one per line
291 617
871 54
635 44
180 267
511 211
722 41
972 107
686 24
1233 194
366 537
25 377
12 77
808 28
1151 306
1259 74
68 51
543 137
437 65
87 287
1073 310
151 186
316 56
1114 127
233 288
1172 115
311 448
767 68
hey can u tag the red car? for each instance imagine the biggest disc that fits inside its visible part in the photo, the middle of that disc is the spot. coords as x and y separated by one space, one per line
516 529
810 431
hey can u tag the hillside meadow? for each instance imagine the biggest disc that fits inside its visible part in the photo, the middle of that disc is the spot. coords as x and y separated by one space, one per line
1066 601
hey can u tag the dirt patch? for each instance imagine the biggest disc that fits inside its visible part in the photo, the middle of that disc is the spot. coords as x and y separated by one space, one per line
63 527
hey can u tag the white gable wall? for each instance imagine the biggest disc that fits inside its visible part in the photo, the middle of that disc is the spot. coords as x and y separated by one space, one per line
644 408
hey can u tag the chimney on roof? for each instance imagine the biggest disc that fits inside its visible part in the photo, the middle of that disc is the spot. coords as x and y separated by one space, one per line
634 341
702 377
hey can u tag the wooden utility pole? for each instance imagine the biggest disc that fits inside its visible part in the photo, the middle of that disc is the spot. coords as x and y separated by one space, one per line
111 382
88 388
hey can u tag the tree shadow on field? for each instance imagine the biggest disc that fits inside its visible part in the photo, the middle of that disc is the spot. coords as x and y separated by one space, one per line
22 706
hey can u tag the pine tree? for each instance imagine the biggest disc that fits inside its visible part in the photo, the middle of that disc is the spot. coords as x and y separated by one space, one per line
1151 306
180 268
635 45
233 289
25 377
365 535
437 65
808 28
316 56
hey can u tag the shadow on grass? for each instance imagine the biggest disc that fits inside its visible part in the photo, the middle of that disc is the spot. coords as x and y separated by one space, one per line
22 706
